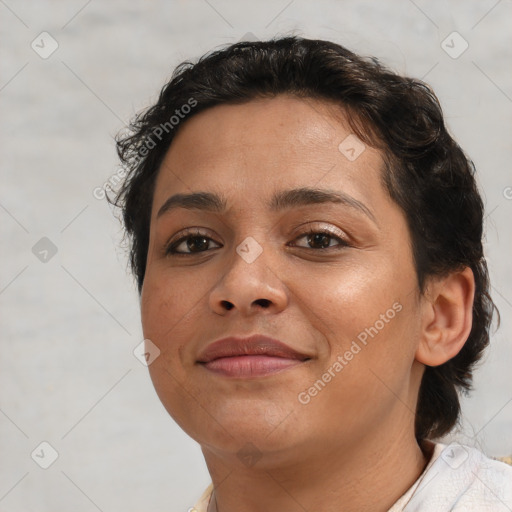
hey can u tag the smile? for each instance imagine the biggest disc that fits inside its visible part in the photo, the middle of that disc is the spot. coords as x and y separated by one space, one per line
247 366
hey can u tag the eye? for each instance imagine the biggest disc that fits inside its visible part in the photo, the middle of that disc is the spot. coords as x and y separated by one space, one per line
195 241
322 238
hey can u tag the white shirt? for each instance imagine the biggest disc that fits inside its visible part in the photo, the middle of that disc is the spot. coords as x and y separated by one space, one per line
458 478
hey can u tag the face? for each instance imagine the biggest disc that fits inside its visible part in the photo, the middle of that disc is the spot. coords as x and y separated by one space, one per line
332 279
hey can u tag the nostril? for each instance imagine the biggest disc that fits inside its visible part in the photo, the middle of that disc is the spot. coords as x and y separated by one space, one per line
263 302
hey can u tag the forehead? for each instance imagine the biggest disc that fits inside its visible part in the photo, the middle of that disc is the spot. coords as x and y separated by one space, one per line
268 144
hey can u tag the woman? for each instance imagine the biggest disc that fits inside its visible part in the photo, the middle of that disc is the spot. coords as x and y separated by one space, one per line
307 242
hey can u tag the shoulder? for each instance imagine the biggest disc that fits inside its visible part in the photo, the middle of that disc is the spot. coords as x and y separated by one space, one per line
462 478
491 480
202 503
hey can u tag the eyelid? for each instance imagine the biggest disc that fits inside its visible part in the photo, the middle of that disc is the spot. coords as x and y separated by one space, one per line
329 230
190 231
322 226
334 233
183 235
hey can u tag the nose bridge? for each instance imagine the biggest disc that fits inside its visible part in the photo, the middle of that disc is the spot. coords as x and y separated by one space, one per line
250 263
253 235
248 280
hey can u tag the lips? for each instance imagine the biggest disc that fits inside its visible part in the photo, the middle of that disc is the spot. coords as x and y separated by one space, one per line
255 345
247 358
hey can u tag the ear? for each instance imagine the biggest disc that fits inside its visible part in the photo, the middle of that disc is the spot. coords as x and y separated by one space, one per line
447 317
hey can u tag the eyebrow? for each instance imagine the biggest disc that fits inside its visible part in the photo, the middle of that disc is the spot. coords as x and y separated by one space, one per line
281 200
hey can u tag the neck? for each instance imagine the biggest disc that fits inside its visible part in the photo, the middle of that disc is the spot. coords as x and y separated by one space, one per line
369 475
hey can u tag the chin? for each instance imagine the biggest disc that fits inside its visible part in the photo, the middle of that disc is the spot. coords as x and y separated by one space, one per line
249 447
236 424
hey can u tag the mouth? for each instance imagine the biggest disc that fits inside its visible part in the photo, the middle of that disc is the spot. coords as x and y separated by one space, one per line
250 366
255 356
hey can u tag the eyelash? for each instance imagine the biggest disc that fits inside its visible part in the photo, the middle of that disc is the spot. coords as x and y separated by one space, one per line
170 249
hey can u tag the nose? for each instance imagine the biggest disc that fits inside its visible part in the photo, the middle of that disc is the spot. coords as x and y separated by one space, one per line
249 282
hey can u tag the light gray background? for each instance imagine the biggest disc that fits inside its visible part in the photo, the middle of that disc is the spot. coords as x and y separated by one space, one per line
67 372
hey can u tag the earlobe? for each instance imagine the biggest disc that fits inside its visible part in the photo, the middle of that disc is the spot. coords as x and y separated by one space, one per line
447 317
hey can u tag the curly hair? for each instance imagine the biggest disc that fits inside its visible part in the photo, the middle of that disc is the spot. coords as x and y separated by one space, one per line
426 172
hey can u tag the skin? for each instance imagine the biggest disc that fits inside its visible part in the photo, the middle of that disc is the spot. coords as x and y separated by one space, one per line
352 447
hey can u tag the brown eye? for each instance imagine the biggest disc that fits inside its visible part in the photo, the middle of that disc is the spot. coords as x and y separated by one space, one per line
321 239
190 244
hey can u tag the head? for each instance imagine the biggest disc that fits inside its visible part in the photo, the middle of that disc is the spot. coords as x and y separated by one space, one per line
400 280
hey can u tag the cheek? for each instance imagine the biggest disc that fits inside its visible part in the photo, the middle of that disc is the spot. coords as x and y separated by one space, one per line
166 310
167 315
371 316
352 298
